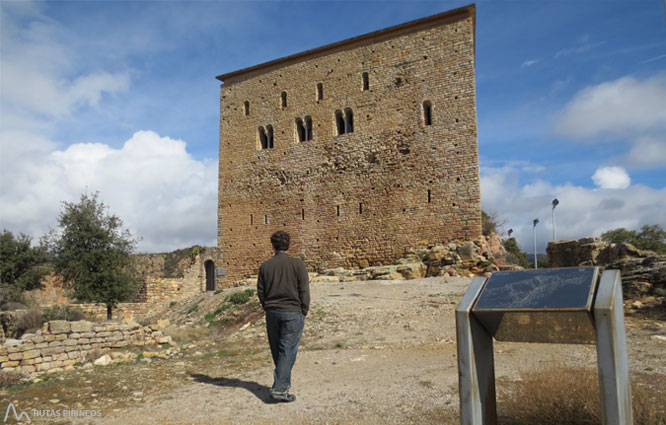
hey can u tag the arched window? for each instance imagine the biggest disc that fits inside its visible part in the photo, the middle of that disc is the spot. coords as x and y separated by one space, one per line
366 81
427 113
308 128
340 122
263 139
284 99
300 130
269 142
247 107
320 91
349 121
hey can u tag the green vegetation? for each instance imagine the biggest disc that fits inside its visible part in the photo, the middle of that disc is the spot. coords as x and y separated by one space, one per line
172 303
514 254
192 309
22 266
241 297
93 254
651 238
172 259
491 223
229 302
218 291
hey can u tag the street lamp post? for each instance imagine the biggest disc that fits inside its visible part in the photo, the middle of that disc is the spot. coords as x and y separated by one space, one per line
534 223
554 203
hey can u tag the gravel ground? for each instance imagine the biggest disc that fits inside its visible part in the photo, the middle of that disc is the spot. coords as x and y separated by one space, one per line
372 353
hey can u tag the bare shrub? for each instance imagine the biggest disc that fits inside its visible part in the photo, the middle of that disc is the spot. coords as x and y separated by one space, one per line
63 312
570 396
9 378
31 320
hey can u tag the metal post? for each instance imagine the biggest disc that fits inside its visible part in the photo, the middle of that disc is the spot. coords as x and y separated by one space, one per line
534 223
612 355
476 369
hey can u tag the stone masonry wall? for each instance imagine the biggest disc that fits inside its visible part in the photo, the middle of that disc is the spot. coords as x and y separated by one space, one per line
60 345
363 197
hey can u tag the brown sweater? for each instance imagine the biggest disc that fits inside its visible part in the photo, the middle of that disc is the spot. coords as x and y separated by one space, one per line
283 284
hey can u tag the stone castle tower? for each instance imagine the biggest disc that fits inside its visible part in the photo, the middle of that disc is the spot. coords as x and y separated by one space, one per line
359 149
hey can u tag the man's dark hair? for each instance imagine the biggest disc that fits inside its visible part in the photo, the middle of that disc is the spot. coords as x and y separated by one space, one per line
280 240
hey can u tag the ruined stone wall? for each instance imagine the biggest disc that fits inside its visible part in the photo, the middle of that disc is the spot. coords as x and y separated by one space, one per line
60 345
363 197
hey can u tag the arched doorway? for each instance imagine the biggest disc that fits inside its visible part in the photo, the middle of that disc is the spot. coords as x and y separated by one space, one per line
210 275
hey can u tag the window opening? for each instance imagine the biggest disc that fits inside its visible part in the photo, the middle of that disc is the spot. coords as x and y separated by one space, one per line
360 208
366 81
338 210
340 122
308 128
429 196
246 106
263 138
284 99
349 121
300 130
265 219
251 219
427 113
302 213
269 141
320 91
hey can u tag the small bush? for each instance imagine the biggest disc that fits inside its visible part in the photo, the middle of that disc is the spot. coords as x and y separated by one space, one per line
239 298
192 309
9 378
172 303
29 321
217 291
63 312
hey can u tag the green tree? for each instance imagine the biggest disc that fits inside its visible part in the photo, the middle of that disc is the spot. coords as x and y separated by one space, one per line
93 253
515 254
491 223
650 237
22 266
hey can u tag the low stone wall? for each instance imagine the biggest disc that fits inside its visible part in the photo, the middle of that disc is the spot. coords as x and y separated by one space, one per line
121 311
60 345
170 289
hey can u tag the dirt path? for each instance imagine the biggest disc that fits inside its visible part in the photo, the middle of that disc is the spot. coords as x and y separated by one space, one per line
372 353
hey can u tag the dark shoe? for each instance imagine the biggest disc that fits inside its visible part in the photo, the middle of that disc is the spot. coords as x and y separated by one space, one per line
285 397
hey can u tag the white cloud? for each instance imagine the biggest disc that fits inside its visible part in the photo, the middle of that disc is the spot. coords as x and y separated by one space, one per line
582 212
624 107
162 194
529 62
648 151
583 46
611 178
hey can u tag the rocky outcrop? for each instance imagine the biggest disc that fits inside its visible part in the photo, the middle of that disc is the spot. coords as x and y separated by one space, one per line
643 272
453 259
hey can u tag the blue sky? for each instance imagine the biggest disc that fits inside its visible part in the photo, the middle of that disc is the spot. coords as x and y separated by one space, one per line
120 97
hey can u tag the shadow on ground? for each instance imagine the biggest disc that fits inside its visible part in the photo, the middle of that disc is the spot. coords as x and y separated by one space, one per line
262 392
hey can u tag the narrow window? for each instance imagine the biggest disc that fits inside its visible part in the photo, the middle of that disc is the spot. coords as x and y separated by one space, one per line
340 122
308 128
247 107
269 142
251 219
300 130
427 113
265 219
366 81
263 138
349 121
320 91
284 99
302 214
338 210
360 208
429 196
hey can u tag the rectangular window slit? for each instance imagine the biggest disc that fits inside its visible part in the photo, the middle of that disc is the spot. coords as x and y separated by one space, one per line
338 210
251 220
265 219
429 197
360 208
302 214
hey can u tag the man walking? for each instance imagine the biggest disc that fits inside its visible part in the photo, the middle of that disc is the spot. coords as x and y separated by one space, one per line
284 292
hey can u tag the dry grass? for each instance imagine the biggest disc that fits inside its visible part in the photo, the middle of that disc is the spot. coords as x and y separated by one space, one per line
567 396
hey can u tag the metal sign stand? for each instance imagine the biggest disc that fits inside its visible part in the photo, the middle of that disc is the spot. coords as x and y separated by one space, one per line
478 405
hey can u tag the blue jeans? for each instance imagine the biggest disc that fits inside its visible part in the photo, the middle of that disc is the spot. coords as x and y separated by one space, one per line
284 329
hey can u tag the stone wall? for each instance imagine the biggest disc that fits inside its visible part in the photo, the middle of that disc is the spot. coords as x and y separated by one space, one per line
361 197
60 345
